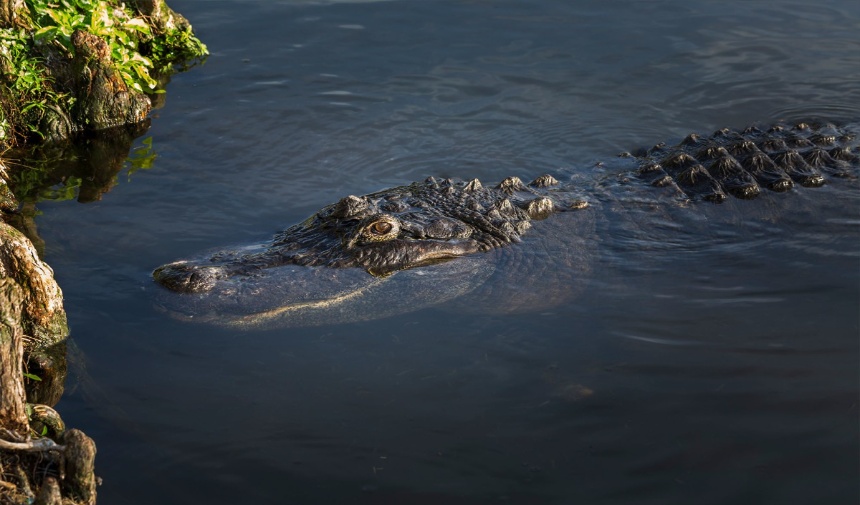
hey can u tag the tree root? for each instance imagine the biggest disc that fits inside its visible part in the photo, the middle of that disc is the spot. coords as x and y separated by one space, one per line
40 444
41 469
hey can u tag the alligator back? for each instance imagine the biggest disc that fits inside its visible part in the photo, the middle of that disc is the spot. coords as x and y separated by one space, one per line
741 163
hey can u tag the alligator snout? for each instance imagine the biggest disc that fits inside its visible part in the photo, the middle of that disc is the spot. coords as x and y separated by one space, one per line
185 277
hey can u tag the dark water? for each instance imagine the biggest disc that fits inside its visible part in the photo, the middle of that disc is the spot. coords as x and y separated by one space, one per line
694 368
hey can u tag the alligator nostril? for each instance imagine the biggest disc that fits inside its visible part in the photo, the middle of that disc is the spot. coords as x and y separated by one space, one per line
187 278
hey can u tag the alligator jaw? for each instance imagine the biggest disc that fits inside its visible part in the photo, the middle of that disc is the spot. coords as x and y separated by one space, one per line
205 275
296 295
407 254
421 240
185 277
333 301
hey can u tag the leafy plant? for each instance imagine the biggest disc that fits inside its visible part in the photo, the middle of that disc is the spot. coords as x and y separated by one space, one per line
116 25
27 80
139 53
28 408
177 45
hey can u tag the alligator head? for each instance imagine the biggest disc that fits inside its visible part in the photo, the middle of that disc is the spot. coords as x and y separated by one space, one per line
338 256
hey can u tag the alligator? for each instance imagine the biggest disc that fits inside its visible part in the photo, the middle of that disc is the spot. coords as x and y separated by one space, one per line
413 246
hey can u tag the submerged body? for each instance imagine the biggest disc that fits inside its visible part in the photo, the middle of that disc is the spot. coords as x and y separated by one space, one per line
419 245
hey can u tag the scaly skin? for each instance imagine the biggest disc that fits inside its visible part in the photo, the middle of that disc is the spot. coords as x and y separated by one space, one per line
424 224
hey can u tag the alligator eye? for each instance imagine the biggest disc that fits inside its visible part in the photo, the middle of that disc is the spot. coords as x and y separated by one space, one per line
377 229
380 228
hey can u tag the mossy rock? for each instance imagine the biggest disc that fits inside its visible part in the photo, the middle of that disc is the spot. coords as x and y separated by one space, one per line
42 316
8 202
84 65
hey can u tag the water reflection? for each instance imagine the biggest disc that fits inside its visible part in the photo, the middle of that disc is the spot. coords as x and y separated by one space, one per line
84 171
587 401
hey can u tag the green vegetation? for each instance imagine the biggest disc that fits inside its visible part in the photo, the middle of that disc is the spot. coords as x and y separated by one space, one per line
118 27
141 50
26 88
32 377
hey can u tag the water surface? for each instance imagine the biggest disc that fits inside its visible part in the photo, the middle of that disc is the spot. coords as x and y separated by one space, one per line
695 368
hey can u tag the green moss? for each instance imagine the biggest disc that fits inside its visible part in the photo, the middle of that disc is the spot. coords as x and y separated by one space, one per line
33 102
50 332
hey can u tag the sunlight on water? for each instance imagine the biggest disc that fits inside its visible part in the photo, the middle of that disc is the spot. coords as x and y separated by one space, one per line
685 354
